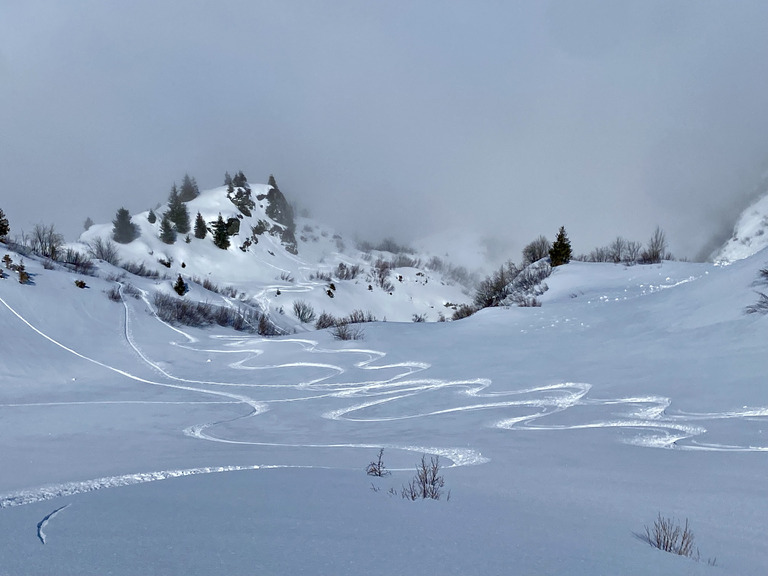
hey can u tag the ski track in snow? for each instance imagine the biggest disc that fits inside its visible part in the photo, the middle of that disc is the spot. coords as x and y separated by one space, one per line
44 522
646 416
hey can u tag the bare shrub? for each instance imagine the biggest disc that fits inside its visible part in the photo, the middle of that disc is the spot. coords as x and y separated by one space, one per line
114 294
80 283
536 250
376 467
344 272
325 320
463 311
177 311
428 482
656 249
131 290
669 535
77 261
139 270
418 318
404 261
600 254
321 276
286 277
359 317
105 250
45 241
494 289
346 331
49 264
303 311
632 252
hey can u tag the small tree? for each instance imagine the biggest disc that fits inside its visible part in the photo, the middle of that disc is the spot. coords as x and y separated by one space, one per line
200 228
536 250
88 223
220 236
167 231
227 179
123 230
151 217
23 274
4 226
180 286
656 249
560 253
189 190
177 212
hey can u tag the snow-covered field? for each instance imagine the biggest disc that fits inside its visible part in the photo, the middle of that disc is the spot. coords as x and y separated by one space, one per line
133 447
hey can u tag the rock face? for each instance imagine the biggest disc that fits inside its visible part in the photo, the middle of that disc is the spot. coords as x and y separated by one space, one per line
750 235
278 207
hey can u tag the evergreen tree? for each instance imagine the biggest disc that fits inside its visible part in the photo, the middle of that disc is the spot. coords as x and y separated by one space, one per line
272 181
240 181
167 231
220 236
152 217
200 229
227 179
560 253
189 190
180 286
123 230
177 211
4 226
86 225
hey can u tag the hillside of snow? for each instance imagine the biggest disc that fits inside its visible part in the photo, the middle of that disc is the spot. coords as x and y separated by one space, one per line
261 269
131 446
749 234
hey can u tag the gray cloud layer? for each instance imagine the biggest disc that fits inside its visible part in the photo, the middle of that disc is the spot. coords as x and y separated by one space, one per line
393 118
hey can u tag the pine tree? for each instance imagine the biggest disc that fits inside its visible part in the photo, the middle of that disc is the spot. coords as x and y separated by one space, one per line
152 217
86 225
189 190
240 181
200 228
123 230
177 211
220 236
227 179
167 231
560 253
4 226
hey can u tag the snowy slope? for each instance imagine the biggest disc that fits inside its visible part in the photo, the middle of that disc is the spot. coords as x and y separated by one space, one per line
269 276
749 234
563 430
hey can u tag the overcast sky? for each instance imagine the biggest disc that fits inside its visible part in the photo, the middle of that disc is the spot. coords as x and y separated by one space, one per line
392 117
